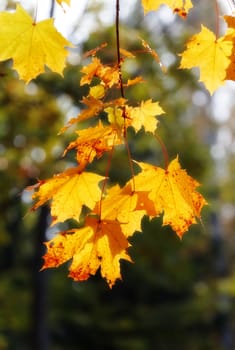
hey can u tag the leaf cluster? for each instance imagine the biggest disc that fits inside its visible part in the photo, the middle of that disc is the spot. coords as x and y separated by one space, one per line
112 213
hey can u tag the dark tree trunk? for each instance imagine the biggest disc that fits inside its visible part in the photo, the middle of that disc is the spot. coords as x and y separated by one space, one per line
40 338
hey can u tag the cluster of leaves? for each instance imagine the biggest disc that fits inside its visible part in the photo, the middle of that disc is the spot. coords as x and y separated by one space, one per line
113 213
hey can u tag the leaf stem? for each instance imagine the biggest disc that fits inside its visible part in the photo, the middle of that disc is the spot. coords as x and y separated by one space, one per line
216 19
164 150
106 178
118 49
122 91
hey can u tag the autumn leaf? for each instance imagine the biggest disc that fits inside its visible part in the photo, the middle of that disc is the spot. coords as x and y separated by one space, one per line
172 192
97 91
61 1
211 55
100 244
108 75
69 192
31 45
175 5
93 142
144 115
229 36
121 204
154 54
115 116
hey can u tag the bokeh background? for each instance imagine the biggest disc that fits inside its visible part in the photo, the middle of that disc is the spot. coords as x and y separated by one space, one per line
177 294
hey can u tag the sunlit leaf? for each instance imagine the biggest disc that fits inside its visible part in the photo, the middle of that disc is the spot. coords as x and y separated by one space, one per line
211 55
31 45
100 244
172 192
69 192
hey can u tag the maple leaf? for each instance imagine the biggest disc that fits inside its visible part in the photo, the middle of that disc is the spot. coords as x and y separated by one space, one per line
90 71
121 204
94 141
98 244
145 115
175 5
172 192
97 91
211 55
69 192
115 116
230 37
108 75
31 45
65 1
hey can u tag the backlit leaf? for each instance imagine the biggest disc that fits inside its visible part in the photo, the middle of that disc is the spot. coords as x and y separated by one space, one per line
69 192
61 1
100 244
121 204
175 5
93 142
31 45
211 55
145 116
172 192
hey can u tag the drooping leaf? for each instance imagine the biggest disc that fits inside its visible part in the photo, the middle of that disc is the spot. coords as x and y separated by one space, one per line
175 5
154 54
211 55
31 45
93 142
108 75
172 192
98 244
69 192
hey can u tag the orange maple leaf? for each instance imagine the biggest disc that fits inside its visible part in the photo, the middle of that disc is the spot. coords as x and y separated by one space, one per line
211 55
69 192
94 141
108 75
229 36
98 244
172 192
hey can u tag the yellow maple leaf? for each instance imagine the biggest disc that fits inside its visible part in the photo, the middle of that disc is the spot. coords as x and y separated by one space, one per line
31 45
69 192
65 1
98 244
121 204
211 55
152 5
172 192
144 115
97 91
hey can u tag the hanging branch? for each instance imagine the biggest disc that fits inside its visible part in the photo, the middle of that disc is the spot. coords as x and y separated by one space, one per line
118 49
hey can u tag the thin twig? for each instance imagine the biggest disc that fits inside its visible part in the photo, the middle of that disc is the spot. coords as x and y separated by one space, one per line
122 91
